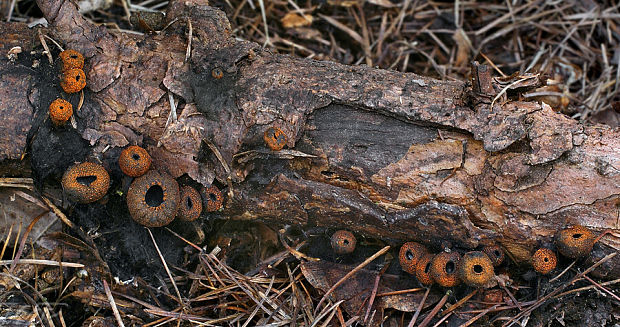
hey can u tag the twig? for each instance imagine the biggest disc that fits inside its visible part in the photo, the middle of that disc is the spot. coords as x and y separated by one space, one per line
478 316
42 262
47 50
558 290
220 158
419 308
188 52
436 309
57 212
117 315
351 273
460 302
163 261
597 285
22 243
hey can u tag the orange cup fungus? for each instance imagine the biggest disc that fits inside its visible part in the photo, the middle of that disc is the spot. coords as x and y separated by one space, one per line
60 111
86 182
409 255
476 269
574 241
71 59
190 206
544 261
217 73
444 268
134 161
343 242
153 199
213 198
423 269
274 138
495 253
73 80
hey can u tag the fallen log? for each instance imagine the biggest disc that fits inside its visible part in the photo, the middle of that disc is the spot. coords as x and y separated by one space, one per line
388 155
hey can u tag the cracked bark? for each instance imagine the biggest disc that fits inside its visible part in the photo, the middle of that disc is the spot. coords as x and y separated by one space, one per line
386 154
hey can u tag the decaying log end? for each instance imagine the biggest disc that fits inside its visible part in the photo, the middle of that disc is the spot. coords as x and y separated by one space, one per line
386 154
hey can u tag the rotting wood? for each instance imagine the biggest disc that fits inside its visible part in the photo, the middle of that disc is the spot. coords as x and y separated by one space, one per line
385 154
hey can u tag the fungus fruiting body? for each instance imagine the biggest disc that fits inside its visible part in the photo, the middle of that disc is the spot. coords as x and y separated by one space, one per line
476 269
444 268
71 59
495 253
213 198
73 80
423 269
134 161
574 241
343 242
217 73
86 182
153 199
409 255
274 138
544 260
190 206
60 111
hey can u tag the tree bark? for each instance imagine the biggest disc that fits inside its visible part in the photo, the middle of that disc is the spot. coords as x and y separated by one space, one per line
386 154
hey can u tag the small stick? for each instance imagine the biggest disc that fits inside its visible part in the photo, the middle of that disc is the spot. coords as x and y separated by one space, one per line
163 261
602 288
374 292
117 315
460 302
58 213
351 273
47 49
562 273
411 290
43 262
419 309
558 290
436 309
220 158
478 316
188 52
22 243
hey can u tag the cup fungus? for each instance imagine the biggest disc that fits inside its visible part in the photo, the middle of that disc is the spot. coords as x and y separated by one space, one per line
495 253
574 241
423 269
217 73
71 59
544 261
444 268
86 182
73 80
134 161
343 242
60 111
153 199
274 138
190 206
409 255
476 269
213 198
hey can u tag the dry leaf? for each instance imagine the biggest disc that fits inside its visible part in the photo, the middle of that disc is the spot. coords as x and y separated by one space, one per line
293 19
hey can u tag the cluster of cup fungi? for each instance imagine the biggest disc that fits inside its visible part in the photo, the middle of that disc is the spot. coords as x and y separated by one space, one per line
475 268
154 198
73 81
